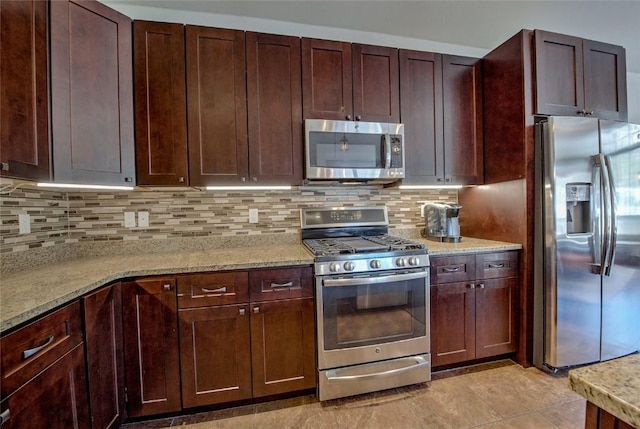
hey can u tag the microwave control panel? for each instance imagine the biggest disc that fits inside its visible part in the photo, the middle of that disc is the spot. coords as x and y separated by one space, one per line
396 152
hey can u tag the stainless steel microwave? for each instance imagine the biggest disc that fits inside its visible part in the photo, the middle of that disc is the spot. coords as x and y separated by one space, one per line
353 151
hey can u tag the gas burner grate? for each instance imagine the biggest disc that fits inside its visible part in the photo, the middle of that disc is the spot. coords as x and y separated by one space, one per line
396 243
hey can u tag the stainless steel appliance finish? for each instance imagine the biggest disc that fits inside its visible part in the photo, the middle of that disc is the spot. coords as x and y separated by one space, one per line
441 222
372 302
587 259
353 152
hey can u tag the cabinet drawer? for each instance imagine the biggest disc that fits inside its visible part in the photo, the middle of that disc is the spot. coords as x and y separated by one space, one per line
495 265
447 269
31 349
281 283
209 289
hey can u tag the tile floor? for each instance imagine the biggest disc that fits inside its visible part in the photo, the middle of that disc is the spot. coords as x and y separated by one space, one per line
500 395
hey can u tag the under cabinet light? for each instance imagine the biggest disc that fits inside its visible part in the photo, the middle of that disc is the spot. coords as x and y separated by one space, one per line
77 186
248 188
416 187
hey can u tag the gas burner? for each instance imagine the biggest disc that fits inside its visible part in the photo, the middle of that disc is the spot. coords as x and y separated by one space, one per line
396 243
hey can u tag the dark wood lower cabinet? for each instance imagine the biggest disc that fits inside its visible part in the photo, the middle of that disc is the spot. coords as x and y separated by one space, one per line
151 346
54 399
597 418
282 346
215 354
496 324
105 359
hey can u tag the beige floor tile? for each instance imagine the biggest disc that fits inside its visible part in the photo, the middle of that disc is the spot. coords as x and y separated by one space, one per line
567 415
390 412
526 421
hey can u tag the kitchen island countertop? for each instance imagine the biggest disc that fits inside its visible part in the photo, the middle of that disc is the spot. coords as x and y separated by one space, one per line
36 289
613 386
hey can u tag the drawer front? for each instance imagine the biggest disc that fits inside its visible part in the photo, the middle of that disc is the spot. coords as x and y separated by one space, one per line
496 265
31 349
281 283
210 289
448 269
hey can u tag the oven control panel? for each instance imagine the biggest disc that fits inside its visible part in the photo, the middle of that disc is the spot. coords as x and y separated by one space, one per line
363 265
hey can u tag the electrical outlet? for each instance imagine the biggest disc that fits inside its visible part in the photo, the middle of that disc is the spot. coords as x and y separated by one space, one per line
143 219
253 215
130 219
24 223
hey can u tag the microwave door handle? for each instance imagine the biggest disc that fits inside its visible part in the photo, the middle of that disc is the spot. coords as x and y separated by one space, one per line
387 151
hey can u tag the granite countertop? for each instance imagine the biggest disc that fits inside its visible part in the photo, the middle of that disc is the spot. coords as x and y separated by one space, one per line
37 286
613 386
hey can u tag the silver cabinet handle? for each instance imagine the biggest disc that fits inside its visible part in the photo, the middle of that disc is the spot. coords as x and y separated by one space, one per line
242 311
222 289
167 287
481 285
30 352
472 285
451 270
256 309
490 265
277 285
4 417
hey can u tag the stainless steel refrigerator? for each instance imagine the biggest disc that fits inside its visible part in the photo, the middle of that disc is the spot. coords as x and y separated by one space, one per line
587 241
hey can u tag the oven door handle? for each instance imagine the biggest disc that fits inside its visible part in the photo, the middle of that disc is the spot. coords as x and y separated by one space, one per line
357 281
419 363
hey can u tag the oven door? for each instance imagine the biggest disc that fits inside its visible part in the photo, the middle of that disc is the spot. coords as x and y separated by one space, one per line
373 317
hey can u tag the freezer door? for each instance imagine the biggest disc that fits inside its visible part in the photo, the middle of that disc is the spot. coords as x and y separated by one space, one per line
620 143
571 235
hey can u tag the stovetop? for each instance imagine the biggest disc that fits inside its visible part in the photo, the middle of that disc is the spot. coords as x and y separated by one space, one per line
360 245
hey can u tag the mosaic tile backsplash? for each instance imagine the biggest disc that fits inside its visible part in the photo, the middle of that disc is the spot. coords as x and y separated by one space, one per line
61 217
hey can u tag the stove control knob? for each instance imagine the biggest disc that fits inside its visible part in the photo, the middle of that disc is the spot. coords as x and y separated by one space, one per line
334 267
349 266
401 262
374 263
413 260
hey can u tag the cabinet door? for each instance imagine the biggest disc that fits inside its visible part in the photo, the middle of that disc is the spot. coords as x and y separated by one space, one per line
216 106
282 346
105 359
160 103
215 355
452 323
55 399
605 80
559 74
281 283
421 114
376 86
91 94
149 312
275 109
496 313
326 79
463 151
24 107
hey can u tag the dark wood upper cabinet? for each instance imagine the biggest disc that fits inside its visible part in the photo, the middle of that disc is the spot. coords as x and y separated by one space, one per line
376 89
216 106
91 94
105 360
24 96
160 104
441 108
346 81
274 97
576 77
326 79
152 368
421 113
462 104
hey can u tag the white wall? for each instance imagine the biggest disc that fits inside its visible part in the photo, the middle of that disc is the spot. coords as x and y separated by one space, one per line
294 29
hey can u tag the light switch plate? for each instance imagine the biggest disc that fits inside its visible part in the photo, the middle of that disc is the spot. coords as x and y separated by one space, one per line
253 215
24 223
130 219
143 219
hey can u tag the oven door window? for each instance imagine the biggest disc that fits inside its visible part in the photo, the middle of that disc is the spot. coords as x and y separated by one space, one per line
378 313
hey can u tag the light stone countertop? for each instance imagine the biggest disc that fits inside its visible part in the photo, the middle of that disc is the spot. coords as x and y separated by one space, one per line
613 386
37 288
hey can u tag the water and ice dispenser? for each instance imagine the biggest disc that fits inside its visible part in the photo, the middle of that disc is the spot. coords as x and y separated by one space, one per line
578 208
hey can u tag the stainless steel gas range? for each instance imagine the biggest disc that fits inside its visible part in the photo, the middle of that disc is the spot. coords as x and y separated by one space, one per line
372 302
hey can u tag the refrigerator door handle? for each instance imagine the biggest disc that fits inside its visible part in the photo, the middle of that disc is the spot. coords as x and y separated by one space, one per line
613 218
604 199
